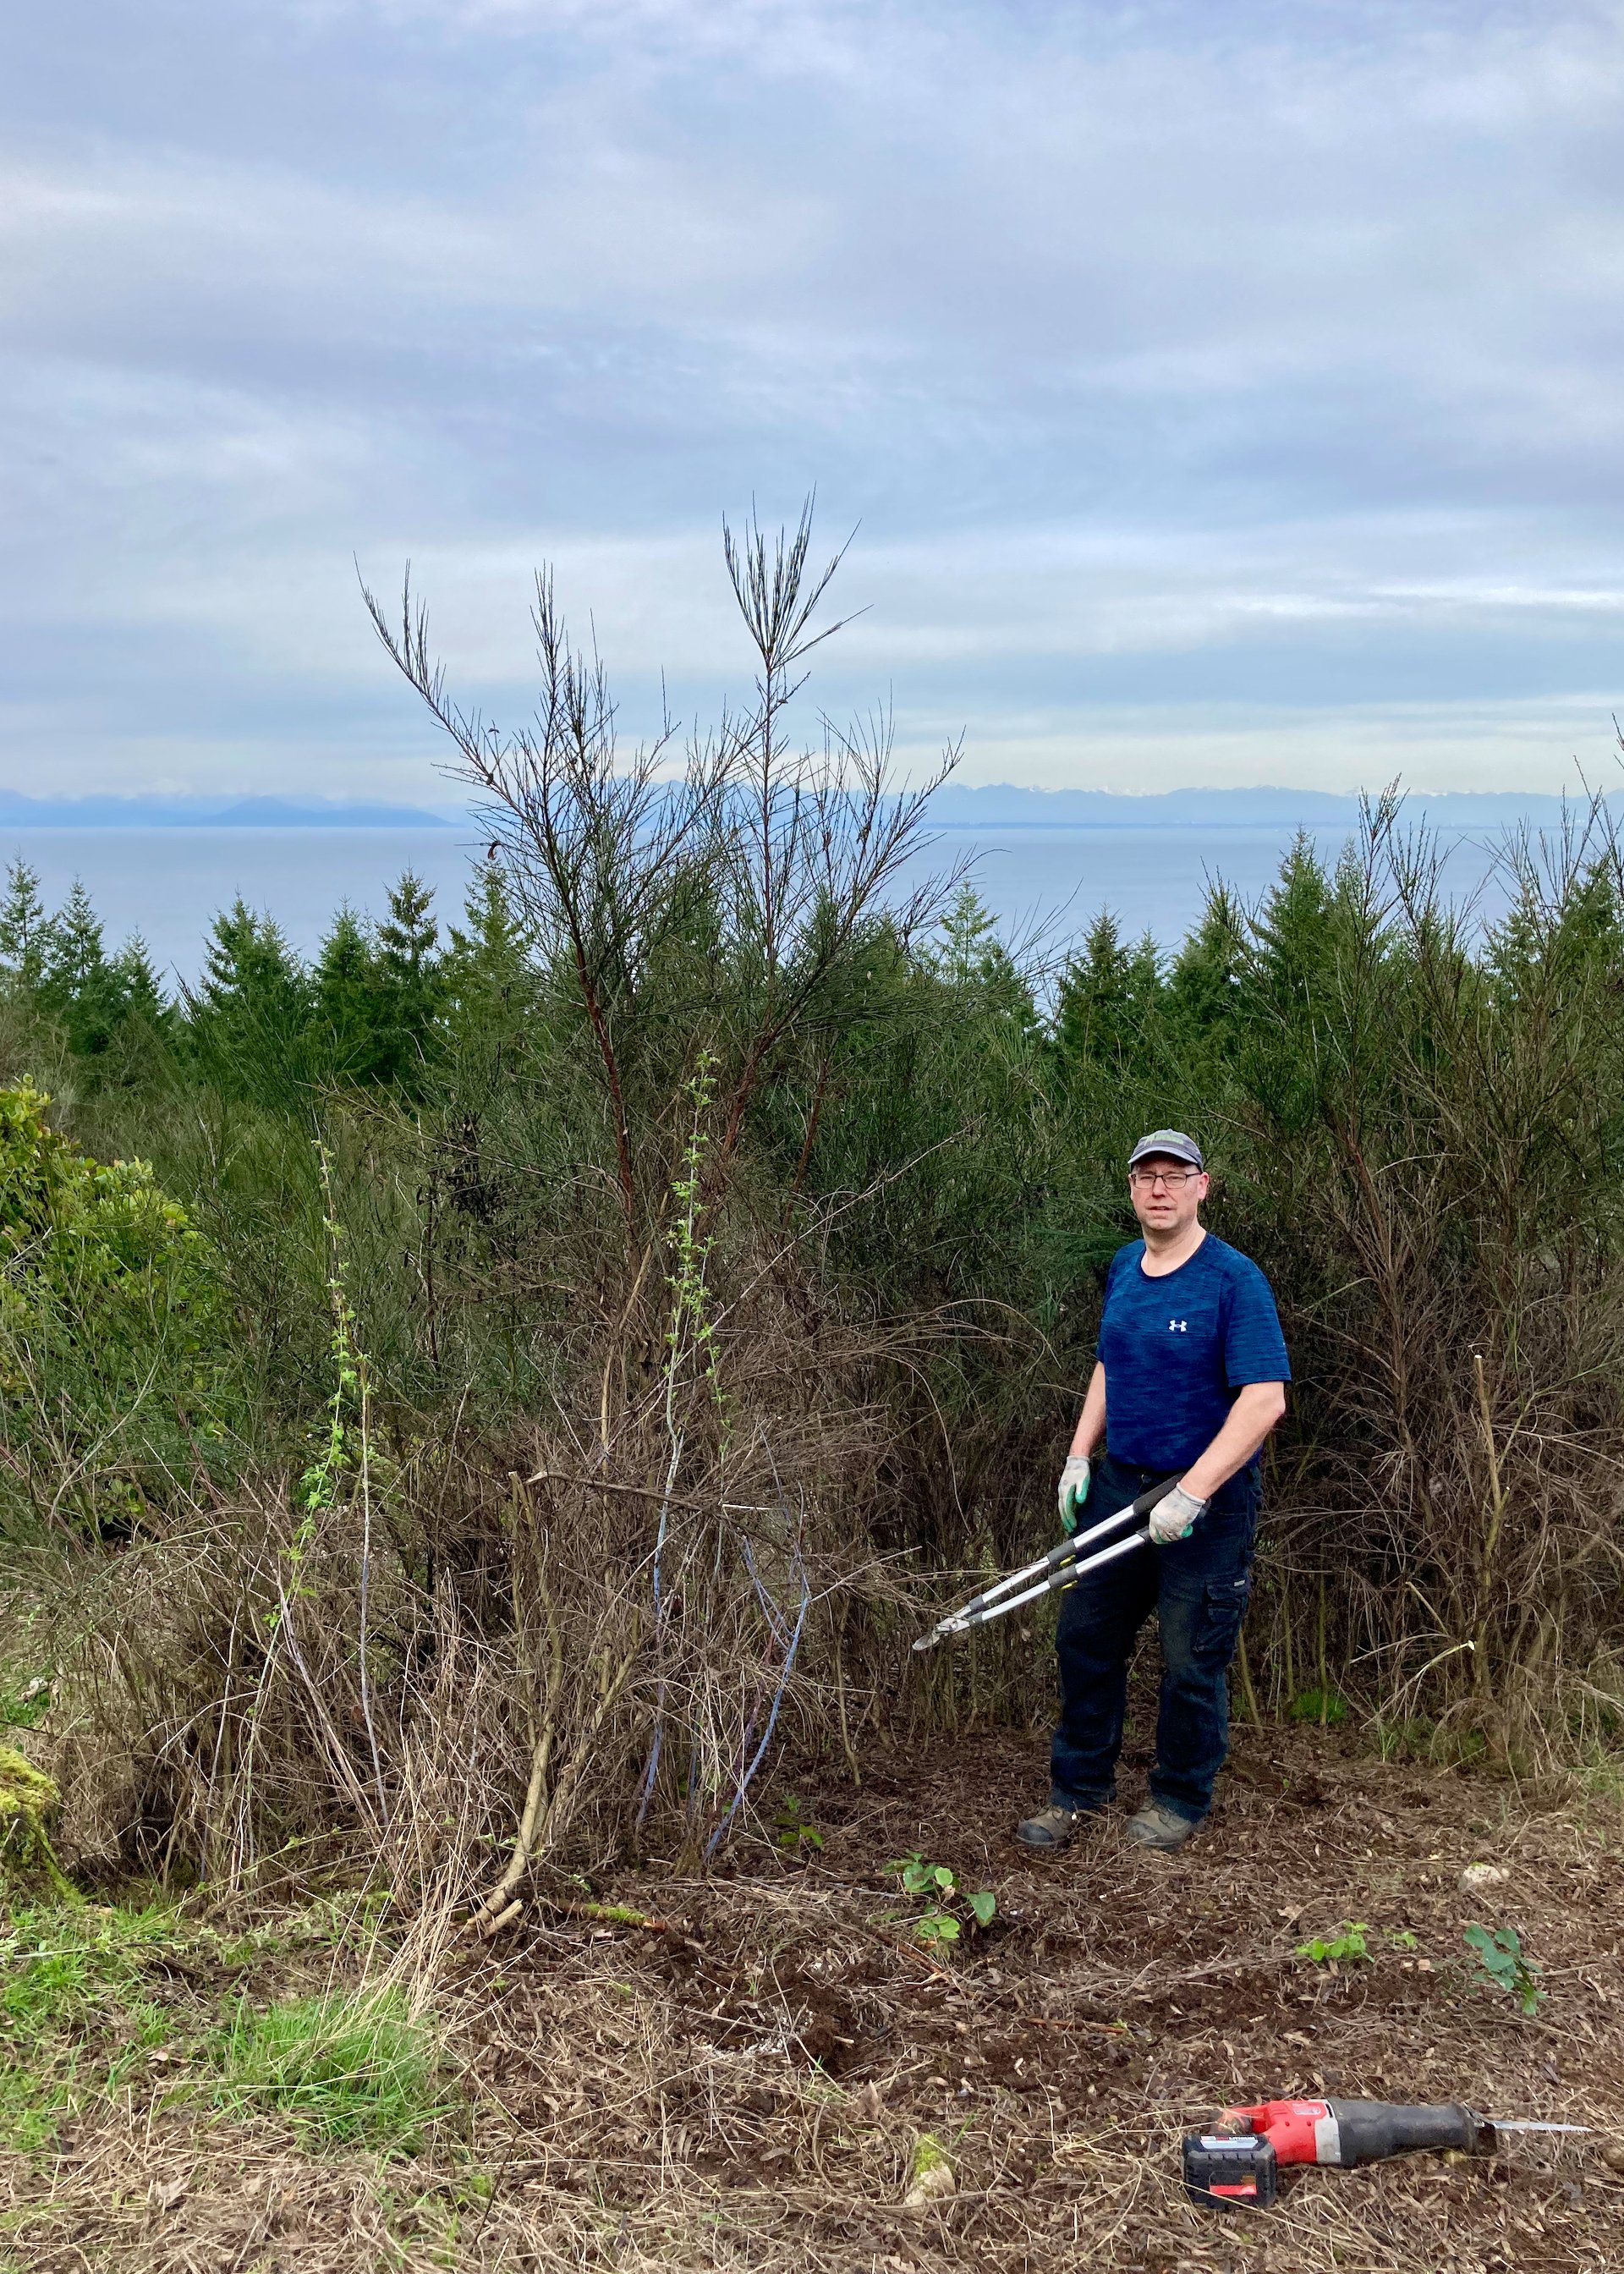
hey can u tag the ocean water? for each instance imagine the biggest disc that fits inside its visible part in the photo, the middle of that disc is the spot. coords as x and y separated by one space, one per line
1045 887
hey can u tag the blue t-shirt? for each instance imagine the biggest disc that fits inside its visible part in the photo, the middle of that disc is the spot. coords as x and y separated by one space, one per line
1177 1349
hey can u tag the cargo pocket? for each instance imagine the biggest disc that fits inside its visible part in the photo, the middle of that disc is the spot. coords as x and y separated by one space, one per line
1218 1623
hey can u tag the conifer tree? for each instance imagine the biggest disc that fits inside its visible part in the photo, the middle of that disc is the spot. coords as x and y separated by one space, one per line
411 986
74 952
972 955
969 938
249 1015
140 987
22 929
1295 933
1295 1042
347 1001
1108 999
485 974
407 935
1204 983
78 986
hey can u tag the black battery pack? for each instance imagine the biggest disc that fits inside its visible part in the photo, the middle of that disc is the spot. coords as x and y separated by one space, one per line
1241 2174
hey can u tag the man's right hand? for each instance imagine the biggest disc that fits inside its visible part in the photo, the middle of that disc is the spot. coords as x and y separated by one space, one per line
1073 1490
1175 1515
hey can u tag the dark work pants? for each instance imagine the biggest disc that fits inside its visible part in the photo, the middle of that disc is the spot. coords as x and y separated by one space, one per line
1198 1587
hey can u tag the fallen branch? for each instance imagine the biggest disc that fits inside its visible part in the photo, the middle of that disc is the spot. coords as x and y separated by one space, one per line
617 1915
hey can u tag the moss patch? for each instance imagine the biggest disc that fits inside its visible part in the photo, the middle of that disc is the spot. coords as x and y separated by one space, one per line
28 1800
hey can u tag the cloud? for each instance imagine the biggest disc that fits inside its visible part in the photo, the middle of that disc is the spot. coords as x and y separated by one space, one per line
1170 357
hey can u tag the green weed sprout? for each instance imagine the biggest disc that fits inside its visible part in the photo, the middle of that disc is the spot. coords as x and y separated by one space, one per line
794 1829
1499 1953
1348 1945
941 1888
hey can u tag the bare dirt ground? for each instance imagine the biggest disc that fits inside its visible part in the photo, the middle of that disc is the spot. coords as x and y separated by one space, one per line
742 2082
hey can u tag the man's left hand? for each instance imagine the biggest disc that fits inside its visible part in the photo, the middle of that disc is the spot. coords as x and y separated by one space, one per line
1175 1515
1073 1491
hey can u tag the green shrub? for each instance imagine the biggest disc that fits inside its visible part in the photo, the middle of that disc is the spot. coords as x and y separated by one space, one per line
115 1372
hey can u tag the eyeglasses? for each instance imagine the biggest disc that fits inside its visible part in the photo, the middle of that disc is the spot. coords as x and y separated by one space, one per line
1175 1179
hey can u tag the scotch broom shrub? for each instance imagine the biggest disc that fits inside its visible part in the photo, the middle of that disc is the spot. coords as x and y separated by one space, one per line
116 1371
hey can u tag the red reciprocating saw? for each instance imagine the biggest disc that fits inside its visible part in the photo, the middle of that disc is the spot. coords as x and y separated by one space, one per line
1238 2159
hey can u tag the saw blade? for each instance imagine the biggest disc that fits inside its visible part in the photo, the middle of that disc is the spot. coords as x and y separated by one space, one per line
1532 2124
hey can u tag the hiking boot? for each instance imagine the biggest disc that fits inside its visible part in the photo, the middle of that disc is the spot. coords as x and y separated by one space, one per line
1052 1826
1159 1828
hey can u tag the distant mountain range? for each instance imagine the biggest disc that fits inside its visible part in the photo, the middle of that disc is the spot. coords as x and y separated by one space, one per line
1001 805
20 812
996 805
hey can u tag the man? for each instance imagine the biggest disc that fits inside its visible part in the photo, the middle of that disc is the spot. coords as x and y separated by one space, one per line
1189 1380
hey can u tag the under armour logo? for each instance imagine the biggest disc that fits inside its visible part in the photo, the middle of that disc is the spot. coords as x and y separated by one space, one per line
1178 1326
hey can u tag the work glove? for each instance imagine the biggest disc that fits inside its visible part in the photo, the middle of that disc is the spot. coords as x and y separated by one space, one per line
1073 1490
1175 1515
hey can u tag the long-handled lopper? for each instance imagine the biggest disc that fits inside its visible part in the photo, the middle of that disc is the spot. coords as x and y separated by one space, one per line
1064 1564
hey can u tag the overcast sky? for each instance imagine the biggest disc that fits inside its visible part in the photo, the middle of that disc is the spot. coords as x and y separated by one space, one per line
1221 392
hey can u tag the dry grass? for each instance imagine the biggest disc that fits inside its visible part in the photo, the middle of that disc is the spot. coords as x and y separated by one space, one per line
744 2084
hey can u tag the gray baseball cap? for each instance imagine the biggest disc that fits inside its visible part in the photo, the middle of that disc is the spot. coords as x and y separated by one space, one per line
1169 1144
